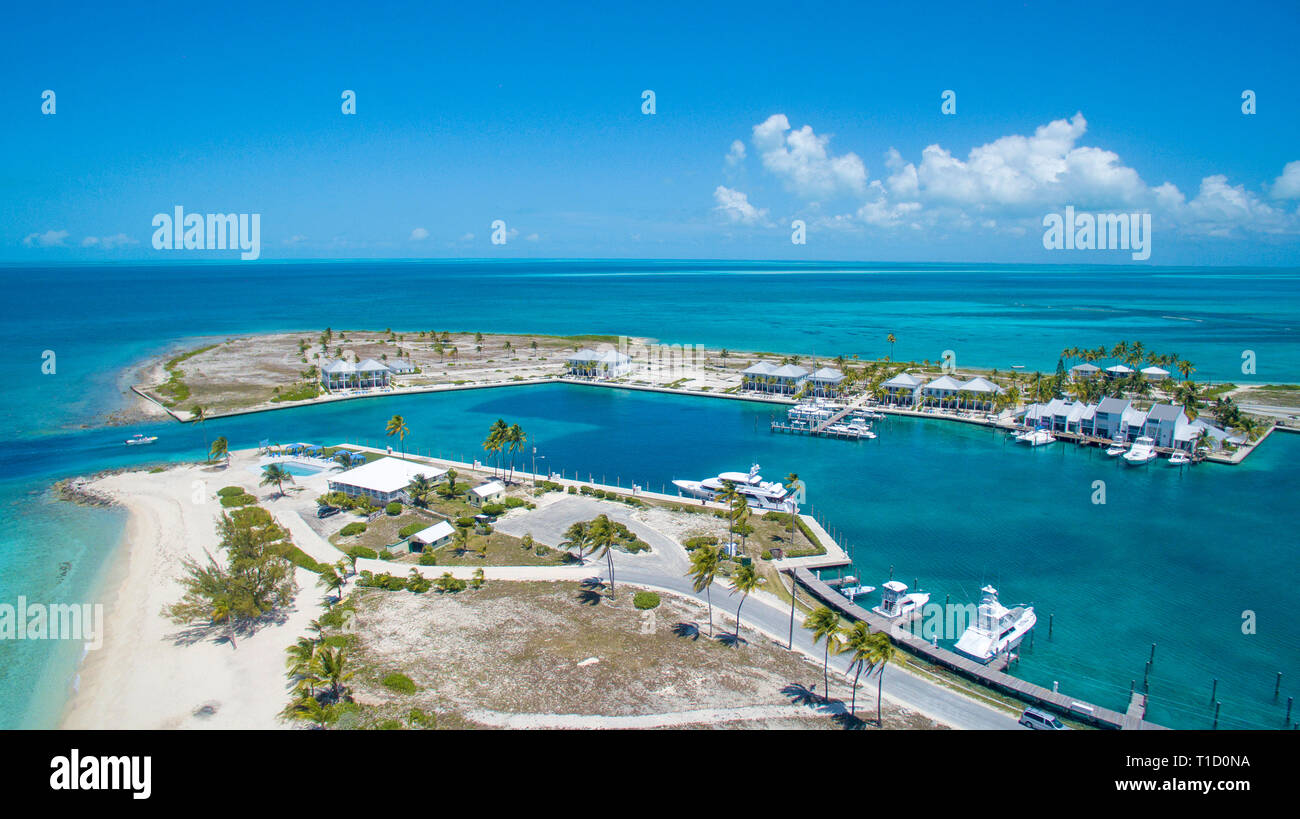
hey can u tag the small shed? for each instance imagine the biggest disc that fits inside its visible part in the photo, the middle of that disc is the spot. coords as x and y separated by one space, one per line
490 492
435 537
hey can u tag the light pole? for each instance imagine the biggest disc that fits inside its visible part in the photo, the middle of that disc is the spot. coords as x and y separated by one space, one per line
535 457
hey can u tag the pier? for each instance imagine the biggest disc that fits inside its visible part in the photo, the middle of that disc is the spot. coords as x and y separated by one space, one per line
992 678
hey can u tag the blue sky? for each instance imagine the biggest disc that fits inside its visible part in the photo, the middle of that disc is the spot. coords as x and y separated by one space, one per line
531 114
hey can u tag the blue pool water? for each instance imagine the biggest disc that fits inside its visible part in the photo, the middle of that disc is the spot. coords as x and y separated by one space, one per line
1172 557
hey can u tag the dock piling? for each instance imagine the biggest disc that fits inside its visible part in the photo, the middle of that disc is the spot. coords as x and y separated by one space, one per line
1051 618
1277 686
1215 690
1289 700
1216 715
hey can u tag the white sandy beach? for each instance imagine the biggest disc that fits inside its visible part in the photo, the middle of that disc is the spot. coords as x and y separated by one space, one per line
144 676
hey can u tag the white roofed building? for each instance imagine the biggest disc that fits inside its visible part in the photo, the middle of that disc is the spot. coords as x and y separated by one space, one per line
903 389
342 375
786 379
591 364
489 492
825 382
383 480
434 537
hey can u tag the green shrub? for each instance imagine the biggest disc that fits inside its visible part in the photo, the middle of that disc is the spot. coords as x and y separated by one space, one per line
390 725
227 491
233 501
493 509
428 558
419 719
645 600
251 516
573 490
465 522
363 551
354 528
513 502
693 543
393 508
767 554
450 584
411 528
399 682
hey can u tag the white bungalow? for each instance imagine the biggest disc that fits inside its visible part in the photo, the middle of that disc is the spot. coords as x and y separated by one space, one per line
1155 374
825 382
943 388
786 379
903 389
341 375
434 537
384 480
490 492
983 391
400 366
1080 372
755 376
591 364
1119 371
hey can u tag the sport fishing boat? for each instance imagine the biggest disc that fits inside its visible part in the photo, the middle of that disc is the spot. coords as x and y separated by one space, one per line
896 602
1180 459
996 630
1142 452
760 493
139 439
1035 437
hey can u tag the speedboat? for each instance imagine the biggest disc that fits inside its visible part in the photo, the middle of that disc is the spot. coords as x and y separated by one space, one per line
996 630
873 415
849 587
1142 452
751 486
138 439
1035 437
1116 448
1180 459
896 602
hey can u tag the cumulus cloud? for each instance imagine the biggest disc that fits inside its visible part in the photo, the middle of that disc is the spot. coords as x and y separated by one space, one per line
419 235
50 238
1287 186
736 207
801 161
736 155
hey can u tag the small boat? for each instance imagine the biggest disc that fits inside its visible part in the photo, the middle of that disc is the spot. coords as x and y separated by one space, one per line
896 602
849 587
138 439
996 630
1142 452
1035 437
1180 459
1116 448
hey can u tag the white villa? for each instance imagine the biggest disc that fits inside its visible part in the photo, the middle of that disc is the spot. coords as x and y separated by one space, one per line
489 492
342 375
435 537
1117 419
384 480
825 382
903 389
1155 373
976 393
1119 371
1083 371
764 376
591 364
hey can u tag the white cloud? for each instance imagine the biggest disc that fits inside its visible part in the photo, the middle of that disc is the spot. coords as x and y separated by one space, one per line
802 163
1287 186
419 234
109 242
736 207
736 156
50 238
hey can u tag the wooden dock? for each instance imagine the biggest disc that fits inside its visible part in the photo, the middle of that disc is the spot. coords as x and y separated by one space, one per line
984 675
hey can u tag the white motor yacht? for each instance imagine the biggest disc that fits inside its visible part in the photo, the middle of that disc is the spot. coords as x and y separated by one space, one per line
1116 448
1142 452
761 494
1035 437
1180 459
139 439
996 630
896 602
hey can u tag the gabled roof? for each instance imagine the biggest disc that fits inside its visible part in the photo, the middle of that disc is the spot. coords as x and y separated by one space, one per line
944 382
371 366
1085 368
434 533
489 488
903 380
1134 417
387 474
761 368
1164 412
827 374
1113 406
338 367
980 384
584 355
790 371
1160 371
1119 368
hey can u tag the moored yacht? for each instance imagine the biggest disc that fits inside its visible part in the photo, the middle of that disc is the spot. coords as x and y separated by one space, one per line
1116 448
896 602
996 630
1180 459
1142 452
760 493
1035 437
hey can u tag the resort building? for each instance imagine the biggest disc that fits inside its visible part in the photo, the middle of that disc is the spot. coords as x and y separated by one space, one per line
786 379
435 537
342 375
400 367
591 364
981 392
383 481
1081 372
1163 422
1155 373
903 389
490 492
825 382
1119 371
1110 415
1117 419
942 389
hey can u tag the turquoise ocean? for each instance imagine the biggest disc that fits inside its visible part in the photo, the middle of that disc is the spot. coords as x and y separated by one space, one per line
1173 558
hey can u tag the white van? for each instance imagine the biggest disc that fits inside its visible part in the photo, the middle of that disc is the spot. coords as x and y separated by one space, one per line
1041 721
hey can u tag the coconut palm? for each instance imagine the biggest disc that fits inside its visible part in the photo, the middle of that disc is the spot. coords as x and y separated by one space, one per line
879 656
824 623
419 490
1185 368
200 416
890 338
397 426
745 580
515 437
334 670
578 538
220 448
275 474
602 536
331 580
705 562
310 709
497 439
792 485
858 642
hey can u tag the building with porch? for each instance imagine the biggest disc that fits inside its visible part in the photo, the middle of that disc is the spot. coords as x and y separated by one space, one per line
384 480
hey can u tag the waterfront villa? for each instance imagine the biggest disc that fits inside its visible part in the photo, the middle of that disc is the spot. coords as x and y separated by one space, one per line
490 492
1118 371
1081 372
825 382
434 537
591 364
1117 419
341 375
1155 373
786 379
977 393
903 389
383 481
1110 414
942 389
982 391
400 367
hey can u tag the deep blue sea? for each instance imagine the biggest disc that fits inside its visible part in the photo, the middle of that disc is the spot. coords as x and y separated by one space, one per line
1173 557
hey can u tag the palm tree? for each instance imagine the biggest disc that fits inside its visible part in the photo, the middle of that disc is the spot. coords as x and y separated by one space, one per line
496 439
200 417
419 490
334 669
275 474
890 338
1185 368
451 481
397 426
309 709
858 641
516 438
824 623
578 537
744 581
792 484
602 536
881 652
220 447
331 581
705 562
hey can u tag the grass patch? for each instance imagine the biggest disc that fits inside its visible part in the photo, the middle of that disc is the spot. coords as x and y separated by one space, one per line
399 682
174 390
646 600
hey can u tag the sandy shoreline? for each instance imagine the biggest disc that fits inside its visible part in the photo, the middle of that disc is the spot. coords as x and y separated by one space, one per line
151 673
